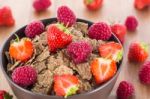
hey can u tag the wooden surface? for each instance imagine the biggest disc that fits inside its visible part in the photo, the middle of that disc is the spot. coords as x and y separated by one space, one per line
112 10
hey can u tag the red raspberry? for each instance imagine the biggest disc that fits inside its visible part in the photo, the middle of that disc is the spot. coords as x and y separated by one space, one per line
131 23
24 76
99 31
5 95
6 17
125 90
66 16
79 51
144 73
40 5
34 28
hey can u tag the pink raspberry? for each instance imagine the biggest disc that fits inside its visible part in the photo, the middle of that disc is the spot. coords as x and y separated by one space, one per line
125 90
131 23
79 51
99 31
66 16
144 73
34 28
24 76
40 5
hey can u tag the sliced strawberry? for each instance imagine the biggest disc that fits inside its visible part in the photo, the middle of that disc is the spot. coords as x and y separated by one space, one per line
58 37
111 50
65 85
103 69
21 50
120 31
138 52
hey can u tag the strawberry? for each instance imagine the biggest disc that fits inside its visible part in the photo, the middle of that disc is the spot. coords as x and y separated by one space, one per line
65 85
58 36
103 69
138 52
93 4
21 50
6 18
120 31
5 95
141 4
111 50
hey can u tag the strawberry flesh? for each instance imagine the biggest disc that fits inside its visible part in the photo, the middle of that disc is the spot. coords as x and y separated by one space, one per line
65 85
21 50
103 69
111 50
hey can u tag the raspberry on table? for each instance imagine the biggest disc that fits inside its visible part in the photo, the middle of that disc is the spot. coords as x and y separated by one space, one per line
144 73
131 23
40 5
125 90
66 16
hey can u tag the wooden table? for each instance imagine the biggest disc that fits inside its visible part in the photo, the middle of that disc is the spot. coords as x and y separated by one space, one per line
112 10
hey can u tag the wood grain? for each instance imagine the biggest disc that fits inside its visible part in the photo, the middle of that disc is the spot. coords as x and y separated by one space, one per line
111 11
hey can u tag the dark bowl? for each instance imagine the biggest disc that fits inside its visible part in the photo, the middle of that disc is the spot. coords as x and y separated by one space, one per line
101 92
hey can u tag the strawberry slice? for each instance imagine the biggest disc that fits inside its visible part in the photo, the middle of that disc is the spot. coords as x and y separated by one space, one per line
65 85
111 50
21 50
103 69
58 36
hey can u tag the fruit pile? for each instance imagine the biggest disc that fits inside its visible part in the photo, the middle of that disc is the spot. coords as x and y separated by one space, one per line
65 57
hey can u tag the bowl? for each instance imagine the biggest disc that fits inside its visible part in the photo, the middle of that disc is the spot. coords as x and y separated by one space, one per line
102 91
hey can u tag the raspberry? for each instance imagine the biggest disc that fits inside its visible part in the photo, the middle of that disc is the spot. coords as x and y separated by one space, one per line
24 76
125 90
6 17
131 23
66 16
34 28
40 5
144 73
99 31
79 51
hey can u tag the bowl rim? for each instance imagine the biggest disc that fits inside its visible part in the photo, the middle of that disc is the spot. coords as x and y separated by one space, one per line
54 96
